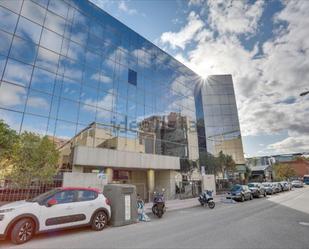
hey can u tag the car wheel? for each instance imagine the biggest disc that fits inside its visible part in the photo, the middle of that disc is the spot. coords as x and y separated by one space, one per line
23 231
251 197
99 221
242 198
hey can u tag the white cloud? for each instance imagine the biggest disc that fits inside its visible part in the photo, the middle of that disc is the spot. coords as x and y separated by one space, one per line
185 35
290 145
123 6
268 82
196 2
234 16
11 95
101 3
37 102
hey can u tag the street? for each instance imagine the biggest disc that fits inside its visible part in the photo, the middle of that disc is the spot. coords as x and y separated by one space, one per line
279 221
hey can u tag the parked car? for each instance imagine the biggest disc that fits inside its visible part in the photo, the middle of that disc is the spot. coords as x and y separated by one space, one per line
59 208
269 188
285 186
277 186
297 184
240 193
257 189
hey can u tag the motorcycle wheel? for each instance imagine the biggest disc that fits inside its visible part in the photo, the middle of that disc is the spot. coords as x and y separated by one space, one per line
211 204
154 209
160 213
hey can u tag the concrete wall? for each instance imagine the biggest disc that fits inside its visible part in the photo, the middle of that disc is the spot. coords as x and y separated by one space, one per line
88 156
139 179
166 179
209 183
76 179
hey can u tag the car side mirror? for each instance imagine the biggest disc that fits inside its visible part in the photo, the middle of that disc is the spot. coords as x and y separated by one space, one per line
51 202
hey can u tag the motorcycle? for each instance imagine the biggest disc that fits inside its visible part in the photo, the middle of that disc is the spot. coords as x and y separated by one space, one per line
158 207
206 199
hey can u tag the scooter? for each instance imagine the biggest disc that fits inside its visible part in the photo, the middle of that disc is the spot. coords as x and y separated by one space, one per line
206 199
158 207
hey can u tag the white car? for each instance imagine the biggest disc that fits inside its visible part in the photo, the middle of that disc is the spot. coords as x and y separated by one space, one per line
56 209
297 184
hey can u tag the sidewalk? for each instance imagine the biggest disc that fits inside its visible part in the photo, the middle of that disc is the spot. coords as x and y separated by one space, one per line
178 204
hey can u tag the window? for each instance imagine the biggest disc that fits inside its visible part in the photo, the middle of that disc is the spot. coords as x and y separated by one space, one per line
23 50
86 195
17 72
33 12
64 197
13 5
28 30
10 20
51 41
12 97
132 77
5 42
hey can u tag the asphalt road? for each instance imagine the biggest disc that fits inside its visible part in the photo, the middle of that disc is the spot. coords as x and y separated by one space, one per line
280 221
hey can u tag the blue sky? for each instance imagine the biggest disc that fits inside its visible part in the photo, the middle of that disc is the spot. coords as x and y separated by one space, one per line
263 44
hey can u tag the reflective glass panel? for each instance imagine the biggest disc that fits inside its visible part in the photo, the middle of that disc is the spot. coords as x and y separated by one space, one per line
17 72
42 3
2 64
76 51
105 100
51 40
5 42
89 96
13 119
65 130
70 89
73 70
103 116
33 12
47 59
55 23
68 110
34 124
58 7
12 97
43 80
28 30
10 20
87 114
13 5
38 103
23 50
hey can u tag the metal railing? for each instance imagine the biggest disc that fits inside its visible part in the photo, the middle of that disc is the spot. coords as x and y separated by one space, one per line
11 191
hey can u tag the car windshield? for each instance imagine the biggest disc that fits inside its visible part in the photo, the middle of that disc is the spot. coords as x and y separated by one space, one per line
250 185
236 188
43 196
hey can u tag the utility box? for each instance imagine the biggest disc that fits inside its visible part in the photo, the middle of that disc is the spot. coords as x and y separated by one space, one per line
123 203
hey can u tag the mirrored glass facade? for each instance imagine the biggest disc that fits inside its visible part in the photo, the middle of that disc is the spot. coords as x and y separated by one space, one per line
71 71
221 117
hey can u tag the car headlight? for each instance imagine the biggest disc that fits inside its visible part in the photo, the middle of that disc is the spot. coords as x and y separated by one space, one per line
238 193
6 210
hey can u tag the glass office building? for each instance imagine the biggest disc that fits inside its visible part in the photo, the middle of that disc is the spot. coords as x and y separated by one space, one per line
109 98
221 117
